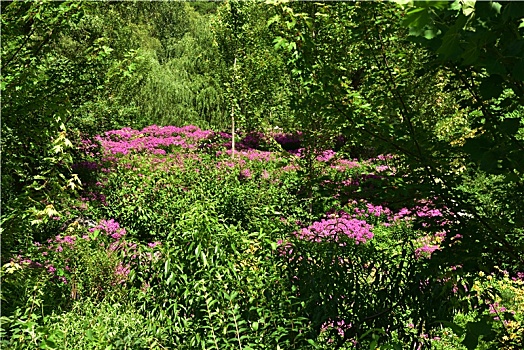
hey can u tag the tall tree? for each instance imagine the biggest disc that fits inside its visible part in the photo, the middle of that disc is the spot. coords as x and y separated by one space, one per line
53 63
258 84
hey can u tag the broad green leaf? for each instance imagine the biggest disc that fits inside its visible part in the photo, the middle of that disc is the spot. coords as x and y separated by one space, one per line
518 70
431 33
491 87
470 341
456 5
450 47
458 330
510 126
494 66
481 327
416 19
496 6
486 9
489 161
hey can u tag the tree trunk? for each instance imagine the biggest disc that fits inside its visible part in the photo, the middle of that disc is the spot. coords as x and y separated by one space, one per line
233 110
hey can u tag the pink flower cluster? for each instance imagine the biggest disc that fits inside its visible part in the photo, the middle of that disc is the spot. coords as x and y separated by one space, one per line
152 139
55 256
249 154
426 250
110 228
326 156
289 141
373 210
253 140
345 164
497 309
520 277
334 228
121 273
341 326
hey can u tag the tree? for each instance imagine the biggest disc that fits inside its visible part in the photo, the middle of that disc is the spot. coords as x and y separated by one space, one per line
256 79
480 47
52 65
448 110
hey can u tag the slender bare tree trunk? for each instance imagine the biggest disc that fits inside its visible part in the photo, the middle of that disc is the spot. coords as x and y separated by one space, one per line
233 110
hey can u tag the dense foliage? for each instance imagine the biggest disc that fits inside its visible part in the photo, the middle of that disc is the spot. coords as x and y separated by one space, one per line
280 175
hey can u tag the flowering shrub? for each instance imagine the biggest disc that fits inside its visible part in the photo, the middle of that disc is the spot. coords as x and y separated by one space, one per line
289 141
336 229
242 242
80 264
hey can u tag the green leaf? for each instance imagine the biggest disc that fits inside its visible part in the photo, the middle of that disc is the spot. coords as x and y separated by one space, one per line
170 279
204 259
471 53
489 161
431 33
458 330
312 343
496 6
275 18
486 9
470 341
416 19
494 66
475 147
456 5
491 87
279 42
49 344
167 267
474 331
518 70
510 126
450 47
481 327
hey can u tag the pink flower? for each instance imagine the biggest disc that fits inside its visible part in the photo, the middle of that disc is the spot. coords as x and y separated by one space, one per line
121 272
336 228
326 156
110 228
425 250
153 244
245 173
69 240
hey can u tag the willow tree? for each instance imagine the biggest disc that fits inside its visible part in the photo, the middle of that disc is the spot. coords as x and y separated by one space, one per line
181 84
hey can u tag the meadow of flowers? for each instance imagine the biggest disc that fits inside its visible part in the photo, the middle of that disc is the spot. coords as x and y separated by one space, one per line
176 241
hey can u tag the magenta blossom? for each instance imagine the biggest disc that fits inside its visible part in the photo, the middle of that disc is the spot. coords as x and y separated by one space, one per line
336 228
154 244
110 228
